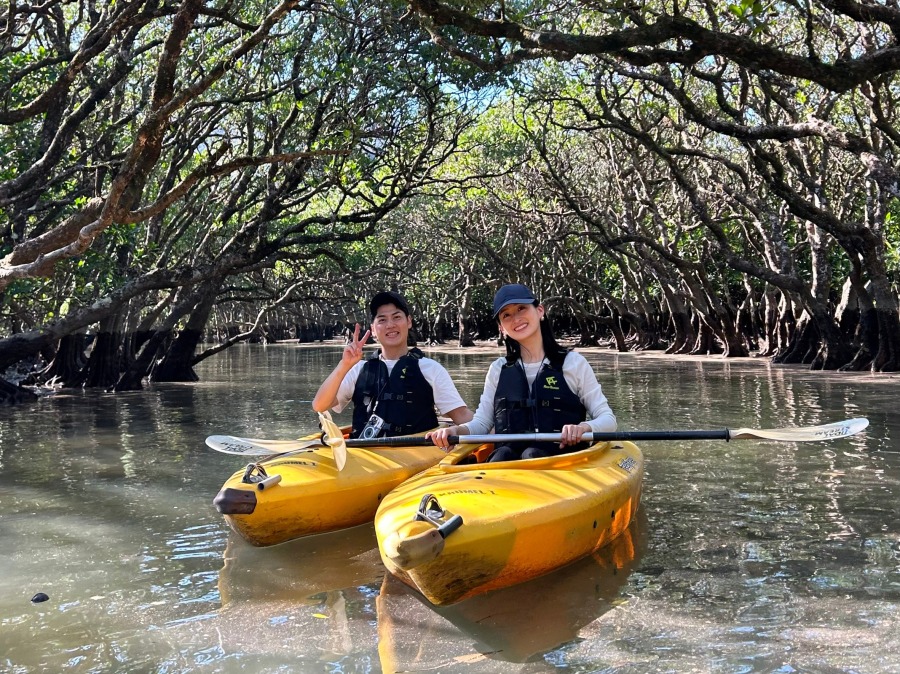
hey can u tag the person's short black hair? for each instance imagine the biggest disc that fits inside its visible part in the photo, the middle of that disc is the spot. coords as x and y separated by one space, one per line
387 297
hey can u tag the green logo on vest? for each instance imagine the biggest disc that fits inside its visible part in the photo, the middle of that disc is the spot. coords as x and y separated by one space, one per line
550 383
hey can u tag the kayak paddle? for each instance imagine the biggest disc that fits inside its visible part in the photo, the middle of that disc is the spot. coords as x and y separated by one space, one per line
230 444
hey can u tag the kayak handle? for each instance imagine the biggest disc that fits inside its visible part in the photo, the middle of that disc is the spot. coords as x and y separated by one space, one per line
430 511
450 526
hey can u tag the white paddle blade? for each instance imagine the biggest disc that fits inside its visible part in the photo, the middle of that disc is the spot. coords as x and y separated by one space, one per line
839 429
334 438
229 444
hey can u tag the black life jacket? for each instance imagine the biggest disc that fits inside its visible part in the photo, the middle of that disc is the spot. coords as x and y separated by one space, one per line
404 399
544 408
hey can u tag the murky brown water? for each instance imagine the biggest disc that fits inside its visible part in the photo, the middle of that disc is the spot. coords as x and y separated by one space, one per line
746 557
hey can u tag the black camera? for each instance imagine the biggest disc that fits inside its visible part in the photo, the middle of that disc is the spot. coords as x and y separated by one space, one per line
373 427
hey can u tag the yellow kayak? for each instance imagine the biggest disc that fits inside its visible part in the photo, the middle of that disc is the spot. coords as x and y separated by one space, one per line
302 492
458 530
412 632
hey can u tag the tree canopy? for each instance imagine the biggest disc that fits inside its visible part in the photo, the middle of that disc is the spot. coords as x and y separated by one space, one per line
692 176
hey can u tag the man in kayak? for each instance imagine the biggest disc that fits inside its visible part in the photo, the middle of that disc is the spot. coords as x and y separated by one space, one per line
538 387
397 391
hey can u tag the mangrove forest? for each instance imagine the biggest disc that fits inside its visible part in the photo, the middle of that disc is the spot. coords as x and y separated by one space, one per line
691 176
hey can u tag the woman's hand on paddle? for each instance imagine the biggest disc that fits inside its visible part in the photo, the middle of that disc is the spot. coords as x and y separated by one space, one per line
441 436
571 434
353 352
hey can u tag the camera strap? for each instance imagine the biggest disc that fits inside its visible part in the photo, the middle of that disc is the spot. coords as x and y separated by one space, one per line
376 382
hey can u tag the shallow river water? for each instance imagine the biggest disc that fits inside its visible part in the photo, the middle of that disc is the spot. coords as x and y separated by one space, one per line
746 556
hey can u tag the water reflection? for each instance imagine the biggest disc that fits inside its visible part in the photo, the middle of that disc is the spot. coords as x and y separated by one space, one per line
332 573
299 570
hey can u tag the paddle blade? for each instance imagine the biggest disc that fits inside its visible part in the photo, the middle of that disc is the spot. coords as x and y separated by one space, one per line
839 429
334 438
230 444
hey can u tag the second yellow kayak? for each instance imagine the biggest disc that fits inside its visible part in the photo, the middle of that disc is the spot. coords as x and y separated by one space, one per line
458 530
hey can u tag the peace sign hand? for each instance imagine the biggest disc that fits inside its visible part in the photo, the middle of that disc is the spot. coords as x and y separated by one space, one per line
353 352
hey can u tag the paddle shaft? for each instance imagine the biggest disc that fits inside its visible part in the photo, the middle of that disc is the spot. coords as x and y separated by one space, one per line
417 440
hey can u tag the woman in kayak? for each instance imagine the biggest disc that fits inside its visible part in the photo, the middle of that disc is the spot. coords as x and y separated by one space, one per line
539 387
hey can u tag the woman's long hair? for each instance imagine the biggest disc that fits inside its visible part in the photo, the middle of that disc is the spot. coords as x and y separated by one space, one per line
553 350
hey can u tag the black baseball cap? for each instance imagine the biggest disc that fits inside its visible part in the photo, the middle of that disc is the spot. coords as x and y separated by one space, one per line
512 293
387 297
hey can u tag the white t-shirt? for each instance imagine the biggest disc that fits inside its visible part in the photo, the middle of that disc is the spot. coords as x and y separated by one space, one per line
446 397
579 376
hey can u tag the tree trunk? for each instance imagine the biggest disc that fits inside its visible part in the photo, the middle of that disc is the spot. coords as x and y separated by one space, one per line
768 339
834 350
803 343
786 326
888 357
131 379
685 337
465 323
68 363
618 335
105 362
848 310
887 319
706 343
588 334
680 320
177 363
747 321
735 347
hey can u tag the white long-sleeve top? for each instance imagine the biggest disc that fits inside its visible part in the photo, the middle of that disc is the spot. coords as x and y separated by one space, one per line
579 376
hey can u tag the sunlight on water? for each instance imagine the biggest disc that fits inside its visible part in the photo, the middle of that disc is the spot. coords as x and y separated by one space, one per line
746 556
